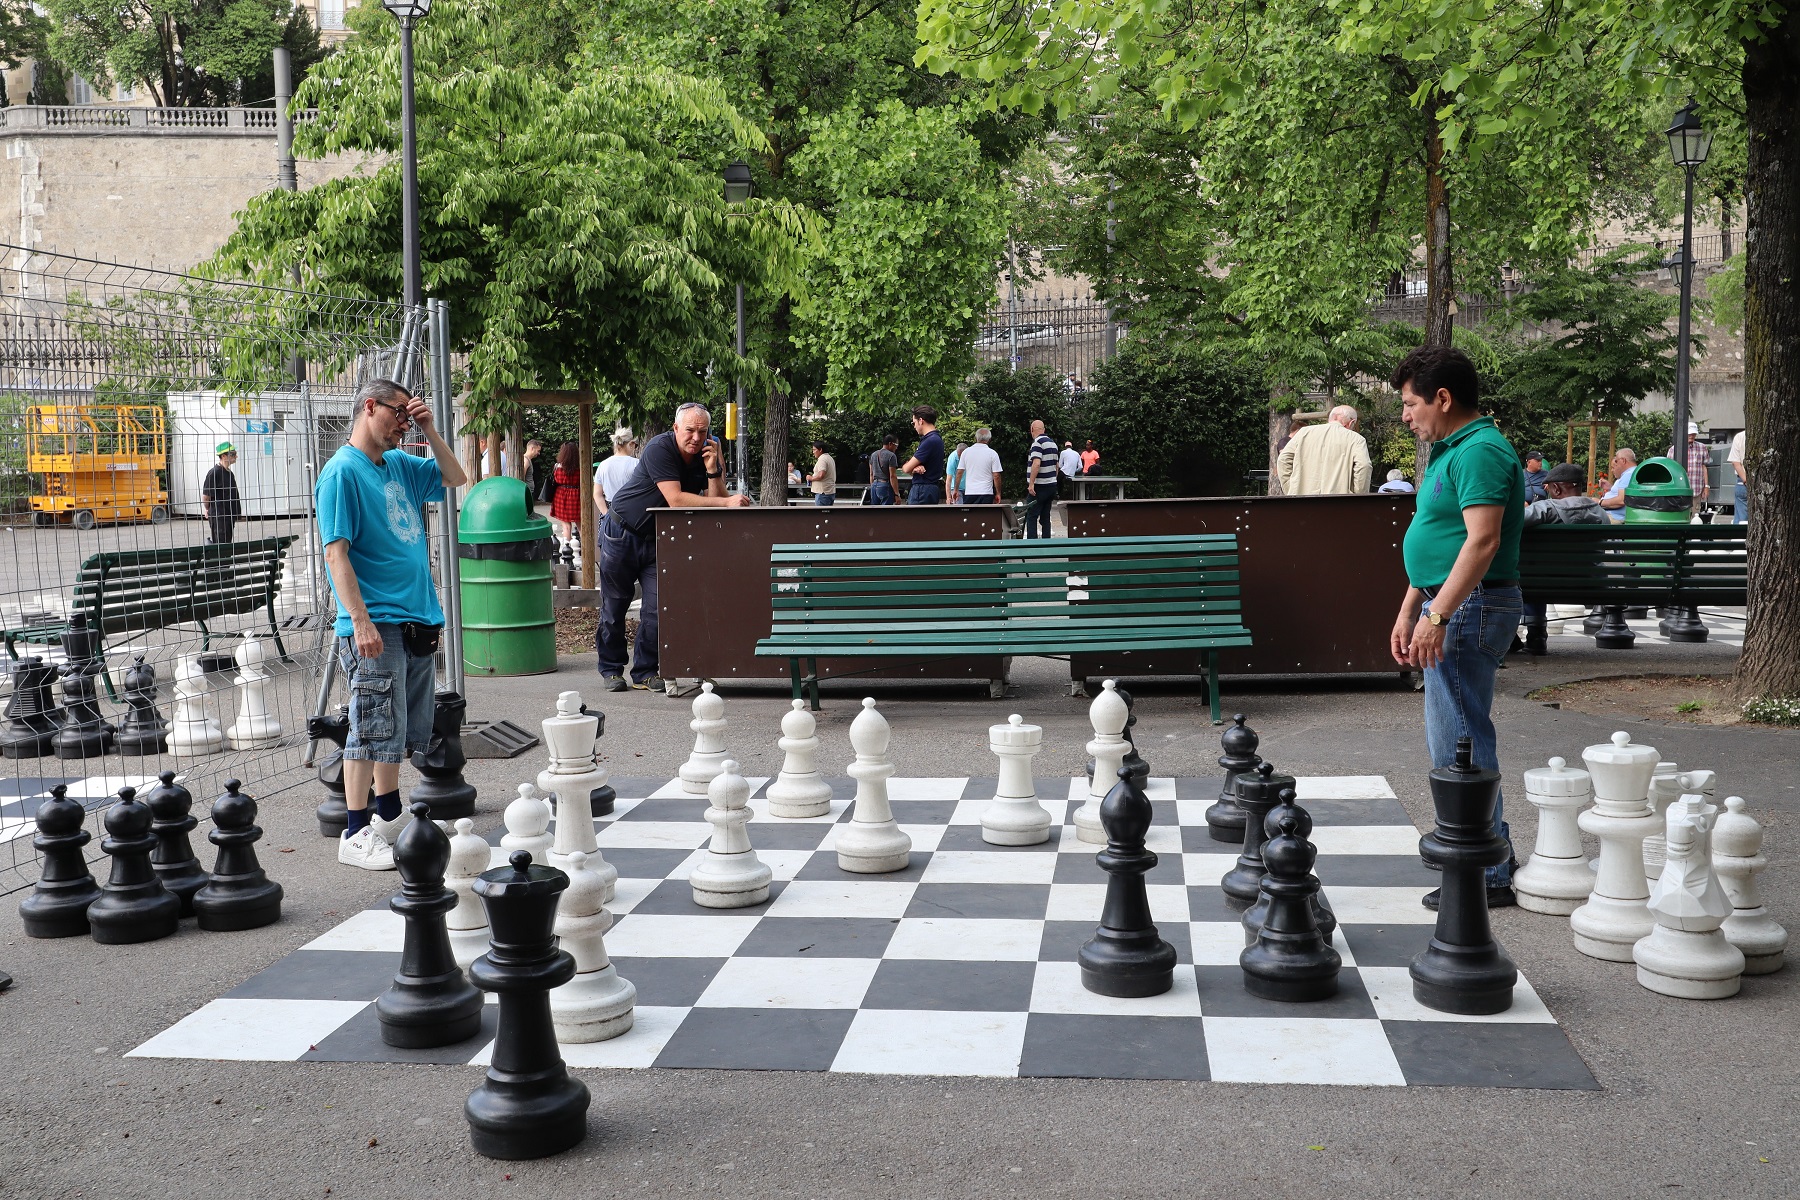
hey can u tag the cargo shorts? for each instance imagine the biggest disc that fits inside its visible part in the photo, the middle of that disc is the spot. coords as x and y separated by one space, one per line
392 698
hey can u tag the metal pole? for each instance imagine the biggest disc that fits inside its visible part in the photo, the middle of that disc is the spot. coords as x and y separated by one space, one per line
1012 304
1678 437
743 440
409 156
286 177
1109 345
446 417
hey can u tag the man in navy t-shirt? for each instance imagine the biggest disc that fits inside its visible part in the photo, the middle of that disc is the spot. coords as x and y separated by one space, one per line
926 465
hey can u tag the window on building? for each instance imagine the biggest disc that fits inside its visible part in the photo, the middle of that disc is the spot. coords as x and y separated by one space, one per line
127 92
331 14
80 92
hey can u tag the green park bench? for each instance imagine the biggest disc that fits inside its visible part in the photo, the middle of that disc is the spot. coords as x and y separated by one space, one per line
1634 565
1046 598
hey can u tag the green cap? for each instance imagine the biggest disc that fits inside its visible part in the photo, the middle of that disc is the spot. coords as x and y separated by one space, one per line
225 448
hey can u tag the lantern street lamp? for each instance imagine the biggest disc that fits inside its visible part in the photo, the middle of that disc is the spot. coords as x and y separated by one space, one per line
738 189
1688 143
409 12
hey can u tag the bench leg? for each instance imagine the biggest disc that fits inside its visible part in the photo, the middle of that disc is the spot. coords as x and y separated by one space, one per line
1212 685
812 679
794 671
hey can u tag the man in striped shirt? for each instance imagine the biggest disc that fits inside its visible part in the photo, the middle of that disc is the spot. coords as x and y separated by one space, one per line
1040 482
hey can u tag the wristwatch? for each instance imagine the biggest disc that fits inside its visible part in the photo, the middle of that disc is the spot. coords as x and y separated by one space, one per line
1438 618
715 474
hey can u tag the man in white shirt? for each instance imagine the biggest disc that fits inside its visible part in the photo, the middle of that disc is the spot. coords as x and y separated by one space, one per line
1740 488
610 473
979 471
1624 462
1329 458
1069 461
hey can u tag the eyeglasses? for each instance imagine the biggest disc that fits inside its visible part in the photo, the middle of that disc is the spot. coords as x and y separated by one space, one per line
399 410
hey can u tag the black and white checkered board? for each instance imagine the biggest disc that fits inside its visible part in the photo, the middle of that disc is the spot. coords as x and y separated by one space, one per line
20 796
962 964
1724 626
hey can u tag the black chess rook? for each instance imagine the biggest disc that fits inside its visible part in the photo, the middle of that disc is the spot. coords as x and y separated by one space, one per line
1462 969
173 860
58 905
143 730
133 905
429 1003
1258 791
1257 913
1290 960
238 895
442 761
1225 818
1127 956
32 718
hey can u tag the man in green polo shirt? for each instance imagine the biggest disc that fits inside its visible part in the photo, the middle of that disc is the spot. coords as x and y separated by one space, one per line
1462 607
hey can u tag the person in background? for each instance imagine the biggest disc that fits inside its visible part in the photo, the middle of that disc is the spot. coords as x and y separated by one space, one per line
1069 461
1090 458
795 478
1624 462
1565 503
1396 484
1740 490
1534 476
612 472
1699 466
565 504
884 484
979 474
528 468
1040 482
953 472
219 495
823 477
1327 458
926 465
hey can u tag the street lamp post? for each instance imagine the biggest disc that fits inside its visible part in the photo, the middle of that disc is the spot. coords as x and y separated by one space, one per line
738 189
1688 143
409 12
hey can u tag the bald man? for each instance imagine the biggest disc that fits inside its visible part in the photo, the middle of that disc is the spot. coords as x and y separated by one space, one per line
1329 458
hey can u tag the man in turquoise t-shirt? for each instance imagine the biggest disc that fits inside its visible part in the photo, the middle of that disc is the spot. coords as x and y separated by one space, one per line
371 501
1462 607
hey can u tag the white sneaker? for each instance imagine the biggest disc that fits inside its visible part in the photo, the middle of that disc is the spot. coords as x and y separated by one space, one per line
389 830
368 850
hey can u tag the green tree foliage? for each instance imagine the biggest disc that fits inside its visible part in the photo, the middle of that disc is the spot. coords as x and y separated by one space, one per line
1184 419
1008 401
23 32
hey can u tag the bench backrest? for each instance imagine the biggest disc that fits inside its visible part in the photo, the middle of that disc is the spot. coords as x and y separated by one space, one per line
122 591
1700 564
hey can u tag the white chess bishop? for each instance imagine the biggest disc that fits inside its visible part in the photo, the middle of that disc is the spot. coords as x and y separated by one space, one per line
527 822
574 773
194 731
1615 916
799 790
1014 817
871 842
1108 715
598 1003
730 876
255 727
708 756
467 922
1556 879
1738 859
1687 954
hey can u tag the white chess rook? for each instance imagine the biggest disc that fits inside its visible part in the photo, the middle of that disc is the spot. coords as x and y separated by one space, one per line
194 730
799 790
1687 954
1615 916
1738 859
528 825
1108 715
467 922
256 726
598 1003
871 842
708 756
1556 879
730 876
572 774
1014 817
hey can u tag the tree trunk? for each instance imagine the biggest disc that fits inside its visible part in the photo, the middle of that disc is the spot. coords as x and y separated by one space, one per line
1440 286
1281 423
1770 662
776 419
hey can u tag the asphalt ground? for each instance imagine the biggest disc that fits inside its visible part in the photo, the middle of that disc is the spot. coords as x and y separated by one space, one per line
1696 1099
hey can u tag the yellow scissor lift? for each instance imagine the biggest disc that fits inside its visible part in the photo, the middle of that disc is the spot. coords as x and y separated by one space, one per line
98 462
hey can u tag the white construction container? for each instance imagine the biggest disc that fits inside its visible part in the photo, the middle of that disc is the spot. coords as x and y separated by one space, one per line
273 441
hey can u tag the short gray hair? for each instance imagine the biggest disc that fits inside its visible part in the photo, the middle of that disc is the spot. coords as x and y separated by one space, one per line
1626 453
984 435
382 391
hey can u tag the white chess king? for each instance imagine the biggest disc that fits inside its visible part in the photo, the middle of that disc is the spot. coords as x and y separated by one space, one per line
572 774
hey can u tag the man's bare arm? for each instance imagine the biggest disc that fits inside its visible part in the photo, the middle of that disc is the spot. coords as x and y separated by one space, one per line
349 593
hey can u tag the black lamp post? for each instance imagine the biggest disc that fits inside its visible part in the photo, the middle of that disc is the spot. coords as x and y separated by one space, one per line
1688 144
738 189
408 12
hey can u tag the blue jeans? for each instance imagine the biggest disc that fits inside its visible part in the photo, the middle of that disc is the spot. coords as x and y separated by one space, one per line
1459 691
1740 504
824 499
392 698
925 493
1037 517
977 498
880 493
627 563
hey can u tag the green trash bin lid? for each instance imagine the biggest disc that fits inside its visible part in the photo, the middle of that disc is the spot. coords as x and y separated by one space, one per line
1659 485
499 510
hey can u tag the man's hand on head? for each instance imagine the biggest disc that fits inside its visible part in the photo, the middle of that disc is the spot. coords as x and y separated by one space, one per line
420 414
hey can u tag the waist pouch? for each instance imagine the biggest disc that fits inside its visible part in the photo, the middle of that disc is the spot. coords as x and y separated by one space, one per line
421 640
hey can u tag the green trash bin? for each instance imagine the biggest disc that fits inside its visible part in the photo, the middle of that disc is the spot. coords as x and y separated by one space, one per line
1659 494
508 620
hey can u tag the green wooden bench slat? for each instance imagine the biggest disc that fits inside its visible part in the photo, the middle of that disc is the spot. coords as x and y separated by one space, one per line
1102 548
1120 567
1624 564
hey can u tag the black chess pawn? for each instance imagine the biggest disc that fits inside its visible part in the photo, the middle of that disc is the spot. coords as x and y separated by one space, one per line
144 730
173 859
1258 792
1257 913
1225 819
84 732
133 905
238 894
1462 969
1126 956
32 717
442 762
603 798
1290 960
1614 633
528 1106
430 1003
57 906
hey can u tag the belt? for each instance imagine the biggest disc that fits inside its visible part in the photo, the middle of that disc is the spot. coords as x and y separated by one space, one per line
1486 584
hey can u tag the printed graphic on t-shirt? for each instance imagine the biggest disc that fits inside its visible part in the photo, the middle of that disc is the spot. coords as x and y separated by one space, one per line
402 514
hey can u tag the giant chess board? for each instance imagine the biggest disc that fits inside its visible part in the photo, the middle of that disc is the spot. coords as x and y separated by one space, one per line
961 964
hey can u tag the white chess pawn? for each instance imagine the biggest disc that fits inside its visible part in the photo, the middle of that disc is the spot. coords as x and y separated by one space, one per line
528 825
573 774
256 726
1108 715
467 922
598 1003
1015 818
1738 858
1556 879
730 876
194 730
1614 917
708 756
1687 954
871 842
799 790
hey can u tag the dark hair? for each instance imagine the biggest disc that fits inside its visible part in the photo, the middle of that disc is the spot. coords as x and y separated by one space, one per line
817 444
926 413
1430 368
891 440
568 458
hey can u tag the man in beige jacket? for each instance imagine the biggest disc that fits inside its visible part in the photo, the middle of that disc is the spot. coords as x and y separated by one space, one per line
1329 458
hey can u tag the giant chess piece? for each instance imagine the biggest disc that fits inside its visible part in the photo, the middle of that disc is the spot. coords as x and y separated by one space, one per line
604 798
872 842
1126 956
1687 955
1738 859
57 906
528 1106
334 731
1667 786
1556 878
527 821
238 894
1108 715
1258 912
1615 916
1014 817
173 860
730 876
467 922
799 790
1258 792
441 763
1462 969
1290 960
708 756
572 776
32 718
133 905
1614 633
597 1003
195 731
1224 819
429 1003
85 732
143 731
256 726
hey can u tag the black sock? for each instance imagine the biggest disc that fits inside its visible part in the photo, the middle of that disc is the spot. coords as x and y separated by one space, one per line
355 821
387 804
